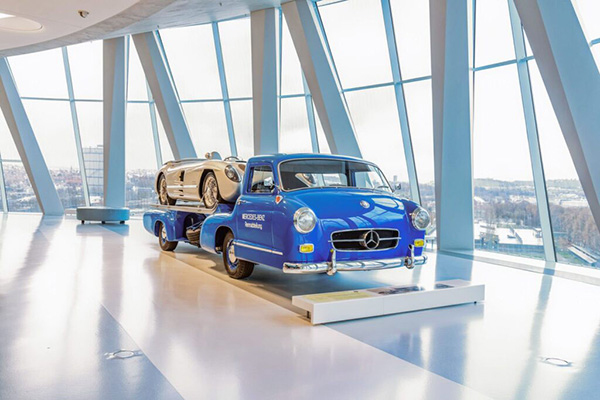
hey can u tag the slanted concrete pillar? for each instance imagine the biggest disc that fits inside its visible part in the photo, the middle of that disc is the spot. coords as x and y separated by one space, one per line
26 144
321 77
537 167
571 78
165 96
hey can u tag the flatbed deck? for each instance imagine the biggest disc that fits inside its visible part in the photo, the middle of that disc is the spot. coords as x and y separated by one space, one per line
196 208
193 208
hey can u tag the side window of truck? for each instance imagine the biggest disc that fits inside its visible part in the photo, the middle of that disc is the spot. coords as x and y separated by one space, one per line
262 179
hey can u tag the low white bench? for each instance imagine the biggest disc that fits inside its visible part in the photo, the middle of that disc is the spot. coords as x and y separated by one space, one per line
354 304
103 214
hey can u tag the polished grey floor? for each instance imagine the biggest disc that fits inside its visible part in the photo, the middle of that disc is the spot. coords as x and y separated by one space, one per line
70 294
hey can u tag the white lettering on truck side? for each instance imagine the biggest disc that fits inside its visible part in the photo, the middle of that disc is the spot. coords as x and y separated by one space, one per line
255 218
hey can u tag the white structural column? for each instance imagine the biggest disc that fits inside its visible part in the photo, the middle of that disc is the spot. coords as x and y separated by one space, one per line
165 96
26 143
115 103
571 78
303 22
537 166
265 80
452 124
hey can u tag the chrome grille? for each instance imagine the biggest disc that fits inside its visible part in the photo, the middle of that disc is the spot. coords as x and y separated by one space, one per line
365 239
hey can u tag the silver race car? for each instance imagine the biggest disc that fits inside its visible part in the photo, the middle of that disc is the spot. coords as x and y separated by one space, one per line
210 180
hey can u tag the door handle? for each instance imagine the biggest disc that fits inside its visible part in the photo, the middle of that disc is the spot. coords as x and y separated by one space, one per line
240 201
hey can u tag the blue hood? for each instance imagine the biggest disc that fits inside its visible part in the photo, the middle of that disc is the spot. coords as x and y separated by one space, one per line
342 203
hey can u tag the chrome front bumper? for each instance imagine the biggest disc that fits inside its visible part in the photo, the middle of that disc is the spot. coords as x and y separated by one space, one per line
363 265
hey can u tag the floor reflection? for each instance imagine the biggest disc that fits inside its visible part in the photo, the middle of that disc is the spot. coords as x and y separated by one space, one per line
70 293
54 331
493 347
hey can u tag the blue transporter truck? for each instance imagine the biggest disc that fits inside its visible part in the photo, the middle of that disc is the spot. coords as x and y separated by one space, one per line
302 213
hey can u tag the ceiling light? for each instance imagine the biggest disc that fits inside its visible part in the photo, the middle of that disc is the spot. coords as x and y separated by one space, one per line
558 362
19 24
2 16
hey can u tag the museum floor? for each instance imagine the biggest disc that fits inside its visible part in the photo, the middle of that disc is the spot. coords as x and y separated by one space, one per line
71 294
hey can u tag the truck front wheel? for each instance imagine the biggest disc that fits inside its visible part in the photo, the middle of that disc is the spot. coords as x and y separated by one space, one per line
162 239
236 268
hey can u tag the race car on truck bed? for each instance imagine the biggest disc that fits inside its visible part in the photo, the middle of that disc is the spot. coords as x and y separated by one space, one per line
209 180
305 213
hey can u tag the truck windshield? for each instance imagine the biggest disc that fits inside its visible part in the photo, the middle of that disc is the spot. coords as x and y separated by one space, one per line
316 173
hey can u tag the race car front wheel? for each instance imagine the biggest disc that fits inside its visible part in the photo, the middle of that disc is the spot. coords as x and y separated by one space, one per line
164 243
210 191
236 268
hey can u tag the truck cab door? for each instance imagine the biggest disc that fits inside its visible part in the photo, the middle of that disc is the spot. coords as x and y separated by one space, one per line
254 216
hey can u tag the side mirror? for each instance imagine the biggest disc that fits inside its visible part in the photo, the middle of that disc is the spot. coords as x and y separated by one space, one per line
398 187
268 183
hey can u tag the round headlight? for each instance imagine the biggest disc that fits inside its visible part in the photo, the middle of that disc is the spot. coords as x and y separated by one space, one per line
305 220
231 173
420 218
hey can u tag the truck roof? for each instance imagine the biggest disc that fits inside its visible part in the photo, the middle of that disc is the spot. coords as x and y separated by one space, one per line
277 158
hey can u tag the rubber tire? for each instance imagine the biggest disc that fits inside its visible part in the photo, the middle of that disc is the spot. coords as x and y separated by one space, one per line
208 175
165 245
244 269
170 201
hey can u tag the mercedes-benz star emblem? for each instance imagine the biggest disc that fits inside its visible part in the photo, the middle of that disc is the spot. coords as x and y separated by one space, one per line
364 204
370 240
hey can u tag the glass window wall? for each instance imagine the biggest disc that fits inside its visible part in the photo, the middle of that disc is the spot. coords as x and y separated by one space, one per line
20 196
493 34
90 115
576 236
356 35
411 28
192 58
53 126
419 109
377 128
237 57
505 206
504 194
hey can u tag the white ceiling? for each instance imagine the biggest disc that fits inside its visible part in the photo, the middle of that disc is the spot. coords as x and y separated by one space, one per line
63 26
58 18
192 12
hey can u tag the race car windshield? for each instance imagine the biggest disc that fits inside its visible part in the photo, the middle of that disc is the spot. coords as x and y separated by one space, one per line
305 174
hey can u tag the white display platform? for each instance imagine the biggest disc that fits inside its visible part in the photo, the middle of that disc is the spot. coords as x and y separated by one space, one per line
354 304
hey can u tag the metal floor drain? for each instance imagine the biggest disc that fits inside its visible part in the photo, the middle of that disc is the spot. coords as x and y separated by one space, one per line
557 362
122 354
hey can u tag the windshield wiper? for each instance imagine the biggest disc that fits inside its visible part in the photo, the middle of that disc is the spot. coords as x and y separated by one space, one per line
376 189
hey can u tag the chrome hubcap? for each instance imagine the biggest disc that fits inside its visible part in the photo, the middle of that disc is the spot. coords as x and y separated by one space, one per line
163 234
210 192
231 258
163 190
